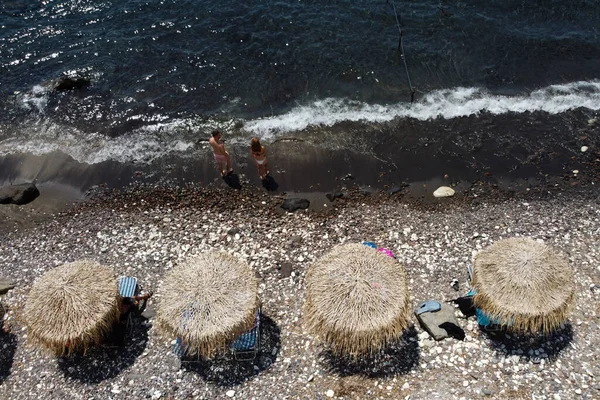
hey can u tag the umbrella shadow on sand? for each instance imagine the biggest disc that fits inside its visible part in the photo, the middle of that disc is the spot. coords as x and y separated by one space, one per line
398 358
106 361
8 344
547 346
226 371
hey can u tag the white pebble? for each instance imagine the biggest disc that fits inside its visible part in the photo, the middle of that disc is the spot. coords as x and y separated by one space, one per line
584 149
330 393
230 393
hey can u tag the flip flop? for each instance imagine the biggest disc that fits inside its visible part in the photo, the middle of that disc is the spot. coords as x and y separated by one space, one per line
428 306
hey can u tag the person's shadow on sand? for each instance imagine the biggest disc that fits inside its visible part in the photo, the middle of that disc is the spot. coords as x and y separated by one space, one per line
226 371
233 181
104 362
270 184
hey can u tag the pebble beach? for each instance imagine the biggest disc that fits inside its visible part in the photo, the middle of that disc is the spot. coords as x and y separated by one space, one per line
146 230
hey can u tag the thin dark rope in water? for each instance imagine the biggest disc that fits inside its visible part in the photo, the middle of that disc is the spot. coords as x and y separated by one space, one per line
401 48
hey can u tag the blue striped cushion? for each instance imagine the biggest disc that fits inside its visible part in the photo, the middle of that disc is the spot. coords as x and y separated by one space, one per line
127 285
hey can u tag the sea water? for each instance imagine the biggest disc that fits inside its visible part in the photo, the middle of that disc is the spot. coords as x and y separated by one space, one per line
164 73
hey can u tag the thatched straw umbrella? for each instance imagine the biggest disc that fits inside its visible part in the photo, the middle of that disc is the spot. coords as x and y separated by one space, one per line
356 299
523 284
72 306
208 301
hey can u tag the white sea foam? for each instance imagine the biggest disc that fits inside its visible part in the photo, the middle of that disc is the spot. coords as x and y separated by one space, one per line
143 145
446 103
179 137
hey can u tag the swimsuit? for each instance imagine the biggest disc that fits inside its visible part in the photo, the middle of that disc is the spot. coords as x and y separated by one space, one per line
259 162
220 157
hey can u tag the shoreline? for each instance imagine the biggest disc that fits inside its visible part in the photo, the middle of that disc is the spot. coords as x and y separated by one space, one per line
299 167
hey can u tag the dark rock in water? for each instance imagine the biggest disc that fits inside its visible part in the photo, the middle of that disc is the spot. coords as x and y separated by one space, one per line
394 190
69 83
598 200
334 195
431 321
294 204
19 194
5 286
366 190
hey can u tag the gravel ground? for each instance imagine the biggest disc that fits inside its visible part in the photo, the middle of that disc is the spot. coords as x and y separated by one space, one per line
145 232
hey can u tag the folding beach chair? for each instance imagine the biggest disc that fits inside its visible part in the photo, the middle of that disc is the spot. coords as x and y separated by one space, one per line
5 287
485 321
180 349
128 287
247 345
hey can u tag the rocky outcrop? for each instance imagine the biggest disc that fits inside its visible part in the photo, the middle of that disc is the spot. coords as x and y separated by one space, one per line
19 194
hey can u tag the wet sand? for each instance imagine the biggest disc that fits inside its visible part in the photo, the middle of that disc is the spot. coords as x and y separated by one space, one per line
409 158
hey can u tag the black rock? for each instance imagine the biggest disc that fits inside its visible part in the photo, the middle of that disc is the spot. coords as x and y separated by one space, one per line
334 195
69 83
294 204
285 270
19 194
366 190
233 231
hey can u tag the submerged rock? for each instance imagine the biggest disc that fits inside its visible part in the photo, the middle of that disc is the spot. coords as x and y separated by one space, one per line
19 194
69 83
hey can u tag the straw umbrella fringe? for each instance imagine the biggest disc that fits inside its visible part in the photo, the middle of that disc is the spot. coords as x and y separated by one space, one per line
208 301
356 299
524 284
72 307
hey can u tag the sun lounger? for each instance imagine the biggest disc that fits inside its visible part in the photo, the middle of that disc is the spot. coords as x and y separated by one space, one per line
247 346
484 320
244 348
5 287
128 287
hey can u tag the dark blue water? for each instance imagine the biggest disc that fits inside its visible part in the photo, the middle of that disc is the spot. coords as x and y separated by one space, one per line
162 71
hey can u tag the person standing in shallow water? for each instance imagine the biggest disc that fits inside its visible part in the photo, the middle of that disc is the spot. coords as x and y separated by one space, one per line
258 153
221 156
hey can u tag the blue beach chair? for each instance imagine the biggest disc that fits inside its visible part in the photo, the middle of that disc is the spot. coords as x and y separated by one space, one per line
244 348
128 287
486 321
247 345
180 349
